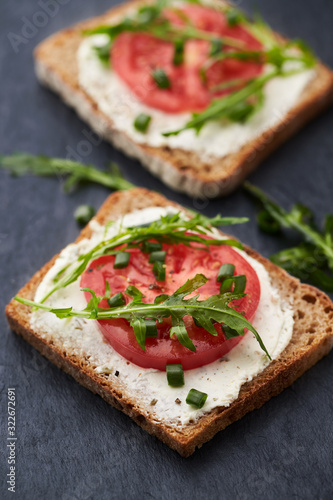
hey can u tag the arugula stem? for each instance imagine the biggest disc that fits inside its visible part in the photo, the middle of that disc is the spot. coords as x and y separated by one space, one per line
170 229
44 166
218 106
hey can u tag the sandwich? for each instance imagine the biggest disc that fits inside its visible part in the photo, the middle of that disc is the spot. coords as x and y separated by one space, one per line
170 320
196 91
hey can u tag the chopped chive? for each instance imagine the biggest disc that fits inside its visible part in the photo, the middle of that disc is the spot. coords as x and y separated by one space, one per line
103 52
159 271
151 328
141 122
116 300
161 79
233 17
178 56
151 246
122 260
267 223
158 256
239 283
203 75
196 398
225 271
215 47
175 375
83 214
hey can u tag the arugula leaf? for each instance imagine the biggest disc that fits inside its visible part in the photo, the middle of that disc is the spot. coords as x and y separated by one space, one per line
309 260
224 106
214 308
180 331
170 229
19 164
139 327
134 292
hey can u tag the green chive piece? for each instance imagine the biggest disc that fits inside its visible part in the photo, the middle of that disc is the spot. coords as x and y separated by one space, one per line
141 122
159 271
103 52
226 271
267 223
178 56
175 375
83 214
215 47
122 260
116 300
234 17
151 246
196 398
239 283
151 328
161 79
158 256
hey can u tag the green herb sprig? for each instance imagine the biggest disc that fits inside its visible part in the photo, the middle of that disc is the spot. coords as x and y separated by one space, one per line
230 106
312 259
20 164
170 229
215 309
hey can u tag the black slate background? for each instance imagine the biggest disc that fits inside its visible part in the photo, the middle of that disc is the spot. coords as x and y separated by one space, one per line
71 444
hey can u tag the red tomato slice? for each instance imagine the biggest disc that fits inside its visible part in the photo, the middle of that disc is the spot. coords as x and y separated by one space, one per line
135 55
182 263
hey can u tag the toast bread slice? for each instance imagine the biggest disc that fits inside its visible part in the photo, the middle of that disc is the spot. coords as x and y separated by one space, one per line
311 340
184 171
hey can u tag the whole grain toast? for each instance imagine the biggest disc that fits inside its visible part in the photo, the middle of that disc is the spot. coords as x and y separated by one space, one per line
184 171
311 340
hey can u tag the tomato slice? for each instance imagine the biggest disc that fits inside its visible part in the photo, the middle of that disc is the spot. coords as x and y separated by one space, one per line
135 55
182 263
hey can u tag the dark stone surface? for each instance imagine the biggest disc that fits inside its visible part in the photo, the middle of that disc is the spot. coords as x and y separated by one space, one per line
72 445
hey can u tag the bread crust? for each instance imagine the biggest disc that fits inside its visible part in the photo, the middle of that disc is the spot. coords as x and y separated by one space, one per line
183 171
311 340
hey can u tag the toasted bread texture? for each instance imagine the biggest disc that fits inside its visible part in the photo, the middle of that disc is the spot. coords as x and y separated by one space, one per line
185 171
312 339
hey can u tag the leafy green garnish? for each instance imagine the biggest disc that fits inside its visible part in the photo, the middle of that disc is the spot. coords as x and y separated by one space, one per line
238 106
229 106
171 229
215 309
311 260
241 104
43 166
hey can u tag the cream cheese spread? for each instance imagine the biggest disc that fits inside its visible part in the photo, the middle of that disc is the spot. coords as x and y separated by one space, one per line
221 380
215 140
